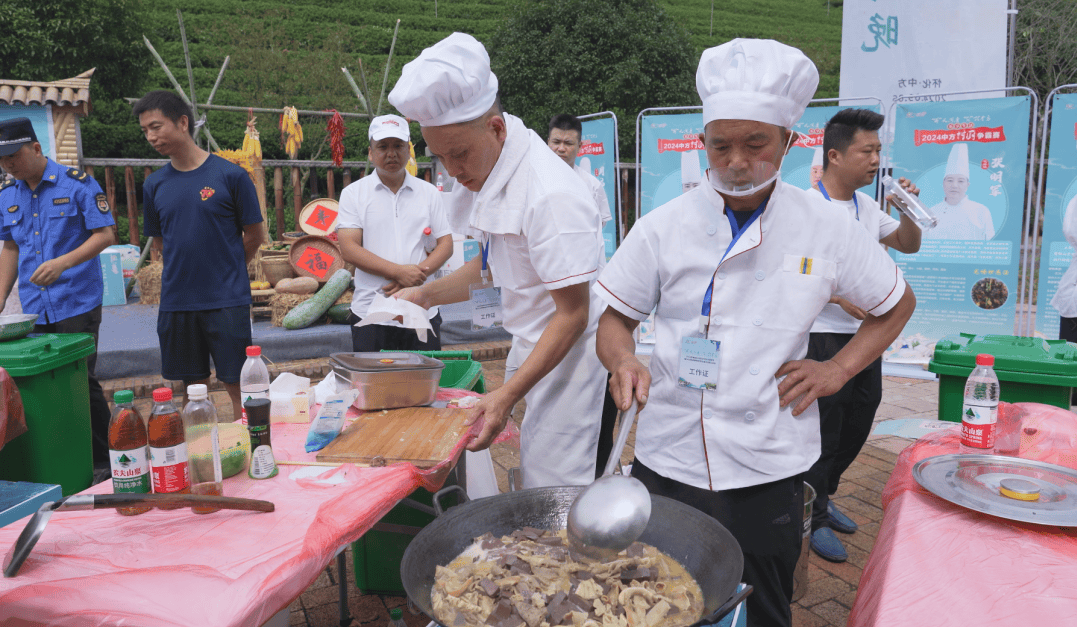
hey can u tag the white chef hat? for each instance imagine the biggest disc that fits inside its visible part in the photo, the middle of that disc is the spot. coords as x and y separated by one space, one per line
958 163
389 126
585 164
448 83
817 157
755 79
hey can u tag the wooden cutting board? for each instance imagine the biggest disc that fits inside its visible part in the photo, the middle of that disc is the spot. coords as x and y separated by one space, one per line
423 436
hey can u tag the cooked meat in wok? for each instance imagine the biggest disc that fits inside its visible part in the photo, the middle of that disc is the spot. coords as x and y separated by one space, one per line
530 579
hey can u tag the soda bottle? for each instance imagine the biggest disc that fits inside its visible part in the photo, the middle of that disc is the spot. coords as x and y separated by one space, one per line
203 445
979 413
396 618
128 453
429 242
253 378
168 448
441 182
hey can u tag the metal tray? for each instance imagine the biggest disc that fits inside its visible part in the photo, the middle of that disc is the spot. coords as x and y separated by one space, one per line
389 380
384 362
972 481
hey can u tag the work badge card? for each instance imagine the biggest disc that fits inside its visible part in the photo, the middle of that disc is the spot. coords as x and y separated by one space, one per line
699 363
485 306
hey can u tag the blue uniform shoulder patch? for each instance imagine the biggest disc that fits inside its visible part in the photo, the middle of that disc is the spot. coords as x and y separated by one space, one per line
6 184
78 174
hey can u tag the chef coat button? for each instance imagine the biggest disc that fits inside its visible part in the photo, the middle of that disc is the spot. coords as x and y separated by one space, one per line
758 322
760 275
754 370
711 229
707 413
721 275
750 416
716 321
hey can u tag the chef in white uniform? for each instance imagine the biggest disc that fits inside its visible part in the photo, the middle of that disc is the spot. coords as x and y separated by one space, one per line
1065 299
959 217
540 234
564 138
738 270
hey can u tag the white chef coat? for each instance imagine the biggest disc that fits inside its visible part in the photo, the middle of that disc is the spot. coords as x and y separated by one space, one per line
393 226
598 192
767 293
560 244
1065 299
878 224
968 220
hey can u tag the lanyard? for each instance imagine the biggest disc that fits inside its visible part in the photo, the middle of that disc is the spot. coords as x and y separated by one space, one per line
485 258
705 314
822 190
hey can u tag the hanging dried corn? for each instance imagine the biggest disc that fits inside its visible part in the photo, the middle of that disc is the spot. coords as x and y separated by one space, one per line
412 166
251 141
335 128
291 133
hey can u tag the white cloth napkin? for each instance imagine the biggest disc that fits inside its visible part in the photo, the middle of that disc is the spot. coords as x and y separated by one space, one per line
385 308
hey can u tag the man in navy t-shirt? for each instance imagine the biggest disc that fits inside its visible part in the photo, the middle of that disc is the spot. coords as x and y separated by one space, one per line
203 215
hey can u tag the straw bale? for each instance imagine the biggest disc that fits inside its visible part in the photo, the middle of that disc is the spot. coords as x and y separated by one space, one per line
149 283
281 304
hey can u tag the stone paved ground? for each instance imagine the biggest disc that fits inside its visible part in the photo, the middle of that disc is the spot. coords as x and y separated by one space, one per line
831 589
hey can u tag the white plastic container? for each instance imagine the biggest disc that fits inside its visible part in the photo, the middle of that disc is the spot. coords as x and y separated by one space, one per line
979 412
253 378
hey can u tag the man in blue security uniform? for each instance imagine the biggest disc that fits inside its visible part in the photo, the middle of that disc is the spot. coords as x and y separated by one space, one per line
204 217
56 221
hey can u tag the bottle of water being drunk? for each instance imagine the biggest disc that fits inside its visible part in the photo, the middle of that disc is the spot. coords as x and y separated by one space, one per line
979 412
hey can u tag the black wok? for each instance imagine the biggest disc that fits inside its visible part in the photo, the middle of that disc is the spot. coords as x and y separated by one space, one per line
701 544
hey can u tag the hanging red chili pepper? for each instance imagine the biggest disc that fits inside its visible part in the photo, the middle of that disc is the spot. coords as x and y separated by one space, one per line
335 128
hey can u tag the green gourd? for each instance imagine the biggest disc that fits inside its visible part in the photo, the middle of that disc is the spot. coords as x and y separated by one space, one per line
306 313
339 313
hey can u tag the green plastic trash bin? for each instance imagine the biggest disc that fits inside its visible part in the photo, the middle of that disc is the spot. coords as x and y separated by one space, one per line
1029 369
50 372
376 556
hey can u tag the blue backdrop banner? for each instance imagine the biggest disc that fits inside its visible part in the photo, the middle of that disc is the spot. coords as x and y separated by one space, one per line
598 155
1059 218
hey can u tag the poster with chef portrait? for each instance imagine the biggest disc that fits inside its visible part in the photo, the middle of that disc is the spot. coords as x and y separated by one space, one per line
1057 285
598 155
671 157
803 166
968 158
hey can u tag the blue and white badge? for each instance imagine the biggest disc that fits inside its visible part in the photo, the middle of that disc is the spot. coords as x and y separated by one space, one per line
485 306
699 364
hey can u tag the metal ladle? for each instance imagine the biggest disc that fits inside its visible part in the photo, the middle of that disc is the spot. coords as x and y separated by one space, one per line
611 513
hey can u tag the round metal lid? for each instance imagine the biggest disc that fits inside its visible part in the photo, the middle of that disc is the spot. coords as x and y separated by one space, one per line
976 481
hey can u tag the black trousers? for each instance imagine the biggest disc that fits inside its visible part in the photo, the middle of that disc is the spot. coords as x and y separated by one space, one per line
1067 330
377 337
845 422
89 322
767 521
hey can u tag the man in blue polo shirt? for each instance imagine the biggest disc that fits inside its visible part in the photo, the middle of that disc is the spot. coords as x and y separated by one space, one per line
56 221
203 215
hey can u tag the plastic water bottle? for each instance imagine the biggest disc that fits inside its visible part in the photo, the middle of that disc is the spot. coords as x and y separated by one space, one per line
979 413
396 618
441 182
203 445
253 378
429 242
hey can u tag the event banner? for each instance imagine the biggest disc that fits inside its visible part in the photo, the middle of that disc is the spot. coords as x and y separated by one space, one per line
1059 218
671 157
969 160
910 50
598 155
803 166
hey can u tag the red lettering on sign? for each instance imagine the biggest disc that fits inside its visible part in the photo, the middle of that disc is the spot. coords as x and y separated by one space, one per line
592 148
317 262
980 134
679 145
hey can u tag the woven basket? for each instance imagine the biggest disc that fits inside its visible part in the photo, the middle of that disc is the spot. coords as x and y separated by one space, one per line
149 283
277 267
292 236
329 250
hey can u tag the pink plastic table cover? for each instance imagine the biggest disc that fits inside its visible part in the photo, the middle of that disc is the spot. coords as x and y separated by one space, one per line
228 568
937 563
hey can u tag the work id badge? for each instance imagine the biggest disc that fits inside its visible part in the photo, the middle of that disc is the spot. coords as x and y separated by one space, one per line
485 306
698 368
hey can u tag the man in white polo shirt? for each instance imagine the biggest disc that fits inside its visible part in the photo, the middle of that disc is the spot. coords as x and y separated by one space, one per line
393 228
736 271
564 139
